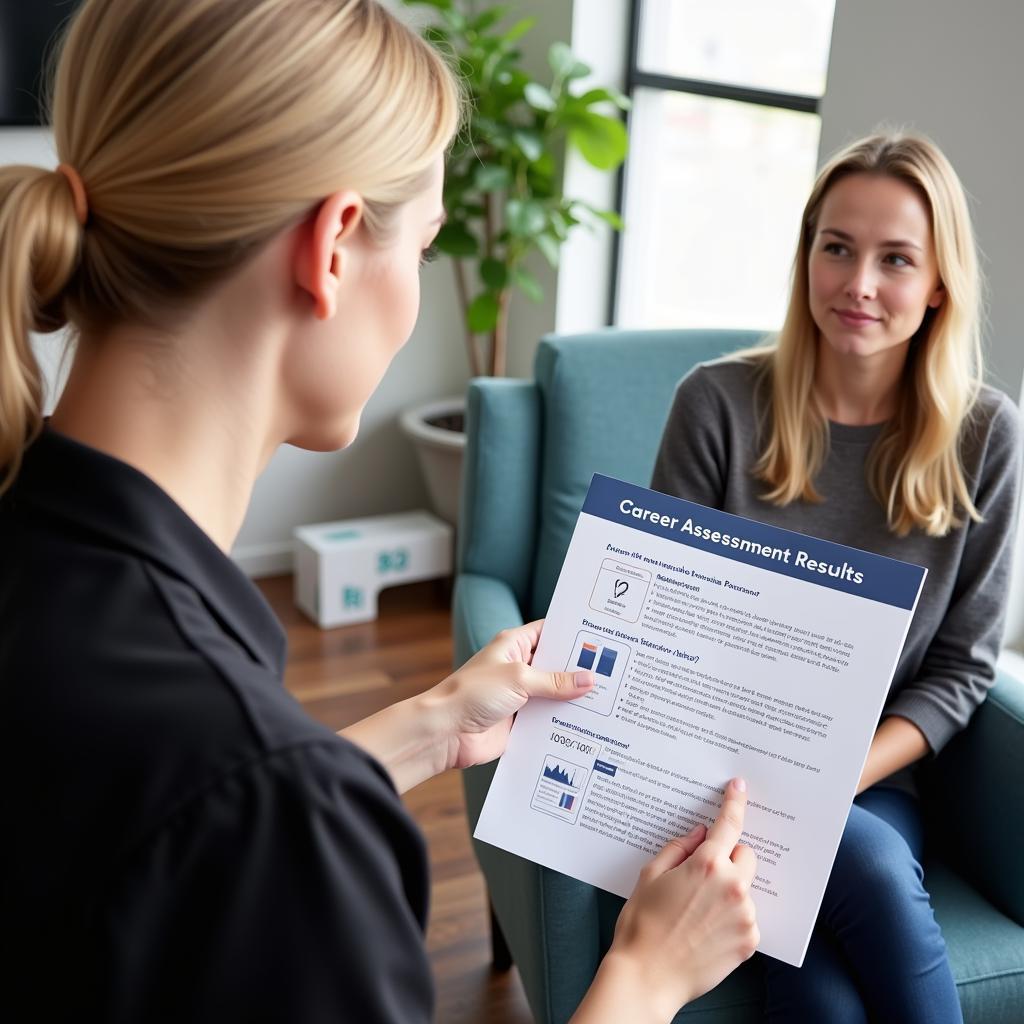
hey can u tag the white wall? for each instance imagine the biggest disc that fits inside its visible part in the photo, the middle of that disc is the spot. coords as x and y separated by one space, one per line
952 70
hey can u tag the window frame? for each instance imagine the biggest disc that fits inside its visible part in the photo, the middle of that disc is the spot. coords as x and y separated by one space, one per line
638 78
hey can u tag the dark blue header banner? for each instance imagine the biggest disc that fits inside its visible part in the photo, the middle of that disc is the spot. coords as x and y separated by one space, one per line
767 547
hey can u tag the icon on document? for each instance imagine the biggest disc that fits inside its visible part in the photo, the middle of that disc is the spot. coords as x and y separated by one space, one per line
620 589
607 660
559 788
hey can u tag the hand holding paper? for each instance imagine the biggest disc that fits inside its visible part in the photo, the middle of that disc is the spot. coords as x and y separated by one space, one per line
480 698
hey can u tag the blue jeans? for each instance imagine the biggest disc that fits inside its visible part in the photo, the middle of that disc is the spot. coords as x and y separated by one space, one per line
876 952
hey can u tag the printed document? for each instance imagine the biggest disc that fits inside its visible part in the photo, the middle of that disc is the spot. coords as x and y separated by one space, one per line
721 647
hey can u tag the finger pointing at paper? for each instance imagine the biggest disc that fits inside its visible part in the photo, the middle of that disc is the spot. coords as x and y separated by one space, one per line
690 920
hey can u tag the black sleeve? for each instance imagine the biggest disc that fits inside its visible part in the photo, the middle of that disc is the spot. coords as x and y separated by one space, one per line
294 890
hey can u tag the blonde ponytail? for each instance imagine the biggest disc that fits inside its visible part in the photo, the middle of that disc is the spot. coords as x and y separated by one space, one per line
40 242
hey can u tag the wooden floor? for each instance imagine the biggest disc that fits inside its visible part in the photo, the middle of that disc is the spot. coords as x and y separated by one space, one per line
342 675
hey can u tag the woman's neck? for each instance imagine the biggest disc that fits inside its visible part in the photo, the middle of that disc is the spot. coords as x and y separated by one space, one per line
856 390
194 426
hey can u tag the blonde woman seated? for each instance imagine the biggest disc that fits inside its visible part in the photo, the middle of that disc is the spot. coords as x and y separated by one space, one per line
865 423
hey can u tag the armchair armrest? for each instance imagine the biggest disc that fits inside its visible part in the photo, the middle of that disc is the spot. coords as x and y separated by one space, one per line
482 606
975 798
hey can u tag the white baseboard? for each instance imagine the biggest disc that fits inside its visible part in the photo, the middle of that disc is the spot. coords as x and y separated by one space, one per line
259 560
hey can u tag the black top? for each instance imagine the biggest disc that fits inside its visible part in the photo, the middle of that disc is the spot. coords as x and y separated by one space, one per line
180 841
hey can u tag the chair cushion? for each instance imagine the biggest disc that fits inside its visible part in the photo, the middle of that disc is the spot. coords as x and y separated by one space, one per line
986 948
980 775
606 397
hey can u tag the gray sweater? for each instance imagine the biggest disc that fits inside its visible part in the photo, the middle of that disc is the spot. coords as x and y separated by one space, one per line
708 448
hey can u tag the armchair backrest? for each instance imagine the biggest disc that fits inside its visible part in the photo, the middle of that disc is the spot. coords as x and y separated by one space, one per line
598 405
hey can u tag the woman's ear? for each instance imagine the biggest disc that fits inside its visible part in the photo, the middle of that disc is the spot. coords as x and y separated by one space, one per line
321 251
938 296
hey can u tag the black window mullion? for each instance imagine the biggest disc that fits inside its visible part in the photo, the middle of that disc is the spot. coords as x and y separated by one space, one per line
620 178
722 91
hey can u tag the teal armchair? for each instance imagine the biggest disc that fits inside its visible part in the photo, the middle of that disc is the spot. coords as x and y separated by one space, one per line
598 405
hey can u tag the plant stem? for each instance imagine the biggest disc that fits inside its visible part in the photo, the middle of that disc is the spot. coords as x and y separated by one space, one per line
471 350
499 338
489 224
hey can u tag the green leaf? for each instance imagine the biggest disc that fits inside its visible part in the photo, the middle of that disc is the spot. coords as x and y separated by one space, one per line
507 89
528 284
492 177
525 217
610 217
488 18
490 132
494 274
518 30
531 144
456 240
544 166
602 141
559 226
607 95
549 248
564 63
456 19
482 315
538 97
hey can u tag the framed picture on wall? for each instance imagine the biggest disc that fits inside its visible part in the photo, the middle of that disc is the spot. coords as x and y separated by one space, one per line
27 28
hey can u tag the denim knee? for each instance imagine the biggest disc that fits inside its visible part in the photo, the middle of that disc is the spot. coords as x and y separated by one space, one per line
875 870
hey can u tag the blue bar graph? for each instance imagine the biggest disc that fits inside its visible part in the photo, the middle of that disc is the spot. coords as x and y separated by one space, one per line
607 662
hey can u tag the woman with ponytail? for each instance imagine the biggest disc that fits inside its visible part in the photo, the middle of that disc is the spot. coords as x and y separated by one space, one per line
865 422
233 238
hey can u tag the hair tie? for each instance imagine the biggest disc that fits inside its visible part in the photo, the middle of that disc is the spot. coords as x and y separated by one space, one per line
77 191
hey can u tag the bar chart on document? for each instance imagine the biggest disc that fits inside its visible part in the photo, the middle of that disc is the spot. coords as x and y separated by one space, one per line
607 659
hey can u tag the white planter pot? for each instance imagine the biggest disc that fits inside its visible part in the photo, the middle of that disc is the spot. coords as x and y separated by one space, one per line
440 453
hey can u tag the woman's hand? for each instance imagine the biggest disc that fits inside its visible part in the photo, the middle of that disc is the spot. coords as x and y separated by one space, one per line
689 923
480 698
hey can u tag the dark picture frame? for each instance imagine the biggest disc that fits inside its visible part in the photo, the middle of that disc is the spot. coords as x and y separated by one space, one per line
27 30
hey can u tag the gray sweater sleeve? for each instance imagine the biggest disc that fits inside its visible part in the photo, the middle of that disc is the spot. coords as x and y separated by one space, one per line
692 458
959 665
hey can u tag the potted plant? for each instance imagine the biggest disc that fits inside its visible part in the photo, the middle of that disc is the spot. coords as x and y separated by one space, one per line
503 194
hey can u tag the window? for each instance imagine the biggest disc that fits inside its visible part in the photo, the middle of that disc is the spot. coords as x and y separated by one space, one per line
724 145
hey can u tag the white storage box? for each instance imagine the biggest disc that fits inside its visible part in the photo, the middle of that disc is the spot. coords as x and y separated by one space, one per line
340 568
